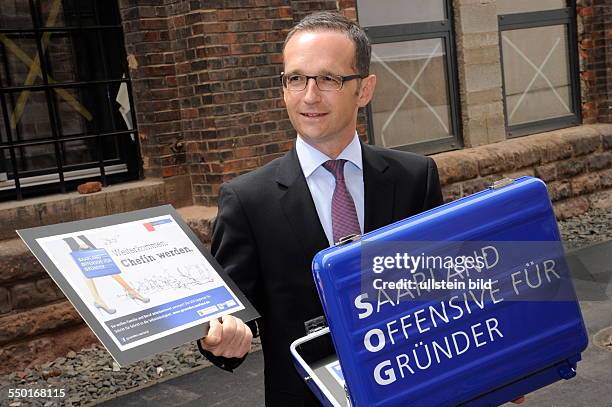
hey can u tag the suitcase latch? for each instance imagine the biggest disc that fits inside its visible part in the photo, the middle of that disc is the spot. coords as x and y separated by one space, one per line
502 183
347 239
315 324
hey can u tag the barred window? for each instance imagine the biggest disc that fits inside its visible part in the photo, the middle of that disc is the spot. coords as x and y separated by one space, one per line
63 80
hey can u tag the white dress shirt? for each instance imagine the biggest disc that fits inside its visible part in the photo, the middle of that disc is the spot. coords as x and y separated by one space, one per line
322 183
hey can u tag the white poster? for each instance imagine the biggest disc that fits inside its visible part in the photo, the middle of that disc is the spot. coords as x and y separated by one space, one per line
137 281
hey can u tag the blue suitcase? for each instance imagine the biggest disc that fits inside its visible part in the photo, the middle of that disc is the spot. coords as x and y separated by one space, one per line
515 326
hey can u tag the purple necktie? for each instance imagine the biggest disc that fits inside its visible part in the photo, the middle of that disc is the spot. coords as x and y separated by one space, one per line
344 215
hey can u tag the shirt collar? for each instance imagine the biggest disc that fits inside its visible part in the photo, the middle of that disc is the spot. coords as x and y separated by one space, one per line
310 158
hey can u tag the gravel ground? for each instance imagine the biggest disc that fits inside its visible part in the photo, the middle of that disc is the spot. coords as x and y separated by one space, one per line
90 375
592 227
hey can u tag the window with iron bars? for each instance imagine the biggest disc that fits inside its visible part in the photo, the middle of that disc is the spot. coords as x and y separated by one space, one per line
65 97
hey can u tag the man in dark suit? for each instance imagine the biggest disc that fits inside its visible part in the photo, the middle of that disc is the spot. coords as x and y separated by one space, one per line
272 221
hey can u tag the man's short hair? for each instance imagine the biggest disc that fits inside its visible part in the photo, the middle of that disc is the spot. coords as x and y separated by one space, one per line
332 21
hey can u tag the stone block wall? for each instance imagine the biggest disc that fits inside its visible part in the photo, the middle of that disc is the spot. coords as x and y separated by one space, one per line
479 66
575 163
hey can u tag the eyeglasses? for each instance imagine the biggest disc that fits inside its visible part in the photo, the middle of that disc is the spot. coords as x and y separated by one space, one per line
325 83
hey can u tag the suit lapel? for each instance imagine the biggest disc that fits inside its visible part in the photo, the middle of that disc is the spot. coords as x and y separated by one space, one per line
298 206
379 189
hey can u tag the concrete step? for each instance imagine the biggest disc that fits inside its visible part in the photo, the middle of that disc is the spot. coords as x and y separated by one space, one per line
58 208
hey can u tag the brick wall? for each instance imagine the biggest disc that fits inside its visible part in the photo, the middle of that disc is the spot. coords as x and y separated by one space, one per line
205 78
595 48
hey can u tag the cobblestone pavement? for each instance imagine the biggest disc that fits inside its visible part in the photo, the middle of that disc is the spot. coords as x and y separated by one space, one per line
180 377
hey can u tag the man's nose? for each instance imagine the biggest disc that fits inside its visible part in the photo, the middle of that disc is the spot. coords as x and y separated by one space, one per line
312 93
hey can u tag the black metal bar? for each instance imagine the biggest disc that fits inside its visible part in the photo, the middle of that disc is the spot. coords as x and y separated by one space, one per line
406 29
574 67
108 98
540 126
71 167
9 81
503 78
50 101
534 18
140 164
430 146
63 85
9 137
74 137
452 75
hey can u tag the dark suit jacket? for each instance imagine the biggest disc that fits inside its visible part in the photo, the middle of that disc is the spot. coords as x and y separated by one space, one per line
267 231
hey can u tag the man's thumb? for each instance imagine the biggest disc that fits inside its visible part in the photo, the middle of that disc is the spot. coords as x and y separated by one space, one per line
213 338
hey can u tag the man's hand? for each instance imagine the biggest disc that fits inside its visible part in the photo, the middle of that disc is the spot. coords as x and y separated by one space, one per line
230 338
519 400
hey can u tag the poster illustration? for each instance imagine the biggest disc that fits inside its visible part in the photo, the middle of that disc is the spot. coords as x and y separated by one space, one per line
141 280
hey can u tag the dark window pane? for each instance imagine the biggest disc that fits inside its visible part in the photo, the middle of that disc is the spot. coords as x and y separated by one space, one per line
89 109
28 115
4 153
406 108
536 74
80 12
79 152
35 159
60 58
15 14
373 13
73 115
21 66
52 13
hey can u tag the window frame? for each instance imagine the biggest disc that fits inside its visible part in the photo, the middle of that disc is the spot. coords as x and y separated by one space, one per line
442 30
62 177
534 19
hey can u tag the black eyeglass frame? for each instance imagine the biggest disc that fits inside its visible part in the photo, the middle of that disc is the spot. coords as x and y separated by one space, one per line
309 77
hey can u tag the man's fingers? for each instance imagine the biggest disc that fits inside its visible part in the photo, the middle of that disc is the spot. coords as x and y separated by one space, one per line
230 338
214 336
236 335
229 325
519 400
246 341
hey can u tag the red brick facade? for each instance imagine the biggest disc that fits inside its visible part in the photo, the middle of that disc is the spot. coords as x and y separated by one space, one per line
206 87
595 48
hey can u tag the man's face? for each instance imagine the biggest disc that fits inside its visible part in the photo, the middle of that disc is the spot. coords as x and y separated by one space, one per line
324 117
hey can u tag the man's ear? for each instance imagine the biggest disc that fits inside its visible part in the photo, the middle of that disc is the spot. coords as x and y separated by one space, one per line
368 84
